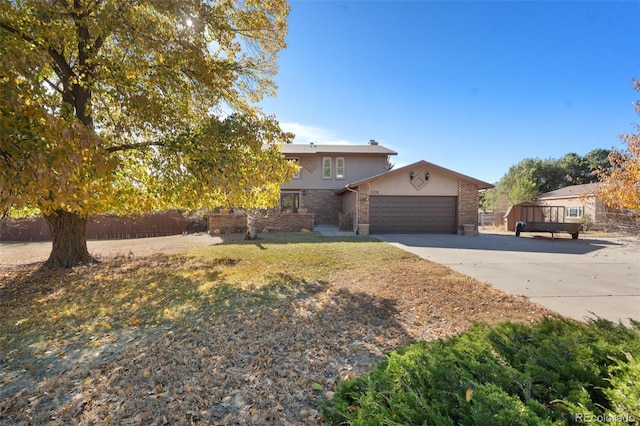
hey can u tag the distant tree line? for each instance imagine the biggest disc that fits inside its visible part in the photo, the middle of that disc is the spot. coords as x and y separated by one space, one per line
618 172
534 176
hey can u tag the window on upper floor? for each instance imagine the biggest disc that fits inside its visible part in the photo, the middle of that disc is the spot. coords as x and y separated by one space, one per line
340 168
574 212
326 168
297 162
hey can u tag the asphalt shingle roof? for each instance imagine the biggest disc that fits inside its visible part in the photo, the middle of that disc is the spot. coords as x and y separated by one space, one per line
570 191
336 149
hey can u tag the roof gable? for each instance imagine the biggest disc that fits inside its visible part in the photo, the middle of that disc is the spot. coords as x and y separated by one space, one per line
480 184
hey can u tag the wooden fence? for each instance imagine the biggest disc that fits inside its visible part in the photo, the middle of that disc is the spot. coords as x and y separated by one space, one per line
490 218
109 227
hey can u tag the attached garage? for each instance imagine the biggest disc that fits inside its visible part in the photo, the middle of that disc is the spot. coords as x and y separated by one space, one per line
412 215
421 198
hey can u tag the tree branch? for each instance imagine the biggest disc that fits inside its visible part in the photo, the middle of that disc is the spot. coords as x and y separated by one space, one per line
132 146
19 33
53 86
61 64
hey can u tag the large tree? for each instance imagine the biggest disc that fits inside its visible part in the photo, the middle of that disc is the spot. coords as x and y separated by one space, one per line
620 186
132 105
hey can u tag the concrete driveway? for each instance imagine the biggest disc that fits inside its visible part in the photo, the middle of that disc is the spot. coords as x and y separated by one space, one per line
579 278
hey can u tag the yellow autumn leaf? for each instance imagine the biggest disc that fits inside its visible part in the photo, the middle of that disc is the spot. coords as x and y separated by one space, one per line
469 394
104 324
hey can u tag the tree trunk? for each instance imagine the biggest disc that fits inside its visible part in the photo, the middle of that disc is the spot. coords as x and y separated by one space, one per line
69 235
251 228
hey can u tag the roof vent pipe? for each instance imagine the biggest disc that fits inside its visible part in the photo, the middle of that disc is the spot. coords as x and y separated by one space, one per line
373 142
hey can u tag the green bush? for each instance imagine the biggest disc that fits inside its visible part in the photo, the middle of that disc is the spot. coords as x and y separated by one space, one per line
554 372
587 223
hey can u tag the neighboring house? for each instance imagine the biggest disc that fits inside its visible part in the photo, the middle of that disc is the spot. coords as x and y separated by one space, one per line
581 205
355 181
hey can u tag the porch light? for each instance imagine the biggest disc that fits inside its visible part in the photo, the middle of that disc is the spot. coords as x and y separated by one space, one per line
411 175
426 176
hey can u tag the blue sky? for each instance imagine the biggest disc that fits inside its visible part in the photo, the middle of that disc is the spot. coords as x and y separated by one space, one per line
473 86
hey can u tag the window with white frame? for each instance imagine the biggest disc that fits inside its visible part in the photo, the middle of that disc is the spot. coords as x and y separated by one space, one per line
574 212
297 162
340 168
326 168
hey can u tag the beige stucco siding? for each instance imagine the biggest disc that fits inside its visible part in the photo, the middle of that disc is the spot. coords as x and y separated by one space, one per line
439 184
355 168
588 206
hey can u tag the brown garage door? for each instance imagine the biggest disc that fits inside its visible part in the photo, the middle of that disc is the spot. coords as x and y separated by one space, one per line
408 215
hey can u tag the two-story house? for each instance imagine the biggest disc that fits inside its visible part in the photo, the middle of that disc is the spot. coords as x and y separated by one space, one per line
356 180
327 169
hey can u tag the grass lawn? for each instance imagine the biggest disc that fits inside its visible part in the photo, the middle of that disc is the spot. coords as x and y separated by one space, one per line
241 332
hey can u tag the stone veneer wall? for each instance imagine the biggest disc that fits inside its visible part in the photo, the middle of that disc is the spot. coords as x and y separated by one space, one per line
222 223
324 203
348 211
345 222
363 204
468 202
348 202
